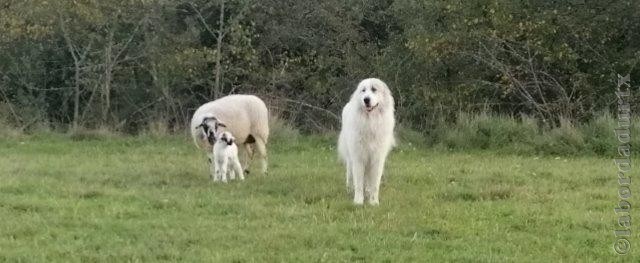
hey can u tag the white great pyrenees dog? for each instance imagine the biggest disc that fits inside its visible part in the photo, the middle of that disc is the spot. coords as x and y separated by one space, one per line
366 138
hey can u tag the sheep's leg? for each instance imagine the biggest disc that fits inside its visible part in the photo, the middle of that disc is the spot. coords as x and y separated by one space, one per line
237 168
262 152
245 155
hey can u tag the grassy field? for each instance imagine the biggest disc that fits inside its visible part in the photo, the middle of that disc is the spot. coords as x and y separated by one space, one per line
144 199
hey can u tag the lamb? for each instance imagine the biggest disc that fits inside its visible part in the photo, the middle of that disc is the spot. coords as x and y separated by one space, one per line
225 153
245 116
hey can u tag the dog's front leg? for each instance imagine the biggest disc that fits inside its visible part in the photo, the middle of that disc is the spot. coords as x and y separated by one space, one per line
373 178
357 174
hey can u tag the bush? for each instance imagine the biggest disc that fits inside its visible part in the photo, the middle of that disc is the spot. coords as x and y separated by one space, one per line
524 136
486 131
280 131
8 131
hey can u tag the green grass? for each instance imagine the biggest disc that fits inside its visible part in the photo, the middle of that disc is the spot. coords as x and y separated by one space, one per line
141 199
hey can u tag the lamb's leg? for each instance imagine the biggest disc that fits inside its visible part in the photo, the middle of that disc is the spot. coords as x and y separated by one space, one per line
262 152
237 168
223 170
357 169
212 167
232 172
218 175
373 178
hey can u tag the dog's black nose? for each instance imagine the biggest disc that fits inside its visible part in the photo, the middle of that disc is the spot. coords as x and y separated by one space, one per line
367 101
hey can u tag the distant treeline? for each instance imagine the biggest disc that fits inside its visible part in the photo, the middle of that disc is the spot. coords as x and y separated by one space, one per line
130 64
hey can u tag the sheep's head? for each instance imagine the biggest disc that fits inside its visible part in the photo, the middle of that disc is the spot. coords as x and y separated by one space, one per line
210 126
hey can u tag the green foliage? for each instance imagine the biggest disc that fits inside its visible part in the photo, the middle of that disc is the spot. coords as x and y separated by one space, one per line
526 136
155 61
281 132
599 134
485 131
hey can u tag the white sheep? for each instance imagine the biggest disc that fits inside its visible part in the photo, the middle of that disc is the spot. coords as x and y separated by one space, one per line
225 154
245 116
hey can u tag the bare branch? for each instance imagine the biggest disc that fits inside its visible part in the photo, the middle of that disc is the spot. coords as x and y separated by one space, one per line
305 104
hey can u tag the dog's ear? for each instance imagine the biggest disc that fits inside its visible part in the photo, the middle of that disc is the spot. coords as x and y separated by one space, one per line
386 94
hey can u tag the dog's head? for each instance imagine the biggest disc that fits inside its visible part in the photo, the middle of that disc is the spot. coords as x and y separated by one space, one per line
373 94
226 137
210 127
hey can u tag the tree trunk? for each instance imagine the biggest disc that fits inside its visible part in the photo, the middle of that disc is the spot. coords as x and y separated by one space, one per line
217 89
108 76
77 61
76 97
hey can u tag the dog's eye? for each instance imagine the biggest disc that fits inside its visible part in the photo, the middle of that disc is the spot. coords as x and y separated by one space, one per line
373 89
363 90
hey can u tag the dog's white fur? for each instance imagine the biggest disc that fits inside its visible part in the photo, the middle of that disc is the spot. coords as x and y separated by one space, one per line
245 117
366 138
225 154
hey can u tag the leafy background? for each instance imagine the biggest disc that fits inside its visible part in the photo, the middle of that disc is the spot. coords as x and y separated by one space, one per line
135 65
